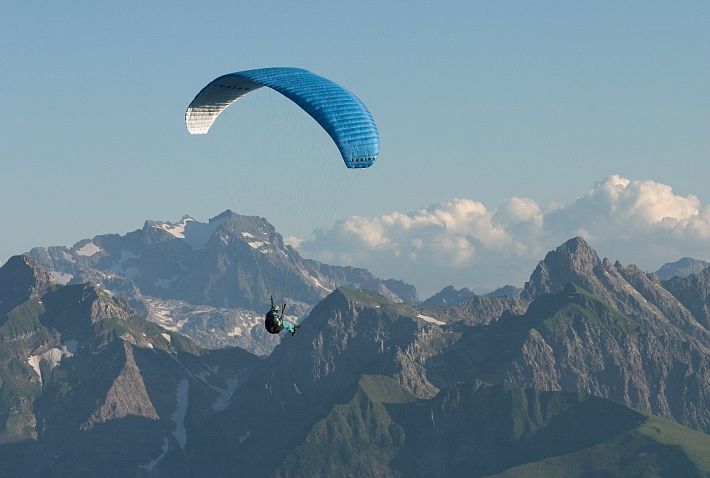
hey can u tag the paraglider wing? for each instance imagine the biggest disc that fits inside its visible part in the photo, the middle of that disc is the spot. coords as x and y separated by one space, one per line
339 112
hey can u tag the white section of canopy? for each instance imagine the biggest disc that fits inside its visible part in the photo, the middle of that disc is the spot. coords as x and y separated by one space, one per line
215 98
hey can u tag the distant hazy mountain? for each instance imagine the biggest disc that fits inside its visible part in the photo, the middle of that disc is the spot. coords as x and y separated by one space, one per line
448 297
467 307
681 268
209 280
506 291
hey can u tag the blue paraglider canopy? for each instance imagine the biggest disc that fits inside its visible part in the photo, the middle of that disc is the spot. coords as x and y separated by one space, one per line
339 112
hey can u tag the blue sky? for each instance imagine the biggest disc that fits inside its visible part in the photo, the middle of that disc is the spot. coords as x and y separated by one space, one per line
480 100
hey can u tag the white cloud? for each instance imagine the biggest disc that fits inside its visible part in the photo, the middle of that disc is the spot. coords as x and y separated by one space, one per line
462 242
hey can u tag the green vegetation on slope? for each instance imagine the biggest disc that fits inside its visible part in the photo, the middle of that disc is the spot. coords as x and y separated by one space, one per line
655 449
357 438
492 431
20 333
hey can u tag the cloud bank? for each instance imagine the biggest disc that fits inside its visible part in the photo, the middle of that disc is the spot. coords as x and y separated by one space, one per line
462 242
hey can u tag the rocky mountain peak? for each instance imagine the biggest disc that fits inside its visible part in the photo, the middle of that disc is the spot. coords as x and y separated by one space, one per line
575 254
632 291
227 214
346 331
21 278
210 279
568 263
245 228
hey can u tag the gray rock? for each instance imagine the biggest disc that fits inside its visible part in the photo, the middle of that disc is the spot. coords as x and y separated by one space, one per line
232 263
683 267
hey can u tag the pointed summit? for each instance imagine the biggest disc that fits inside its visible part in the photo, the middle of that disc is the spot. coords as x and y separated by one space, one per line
573 261
577 252
637 294
21 278
223 216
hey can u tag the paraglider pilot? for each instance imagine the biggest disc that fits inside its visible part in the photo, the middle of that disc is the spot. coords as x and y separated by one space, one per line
275 322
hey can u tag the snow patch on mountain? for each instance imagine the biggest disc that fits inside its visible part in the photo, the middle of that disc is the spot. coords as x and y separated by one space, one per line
68 257
246 322
191 231
106 290
236 331
225 394
88 249
256 244
293 241
61 278
52 356
430 319
315 281
161 313
178 417
176 230
153 463
218 327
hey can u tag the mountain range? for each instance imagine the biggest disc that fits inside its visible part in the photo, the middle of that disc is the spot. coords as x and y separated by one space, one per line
595 369
210 281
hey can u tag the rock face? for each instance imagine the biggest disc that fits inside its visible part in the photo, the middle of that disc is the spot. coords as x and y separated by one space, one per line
681 268
693 291
573 342
21 278
368 387
371 389
574 261
348 333
195 277
617 333
634 293
126 397
89 388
